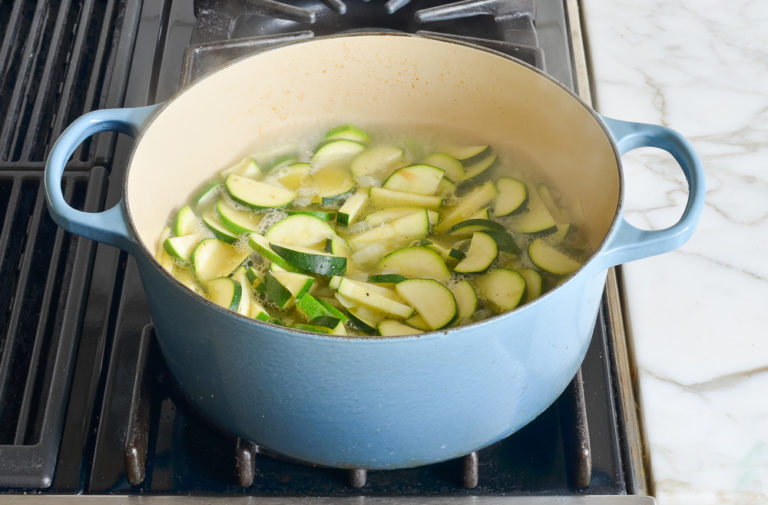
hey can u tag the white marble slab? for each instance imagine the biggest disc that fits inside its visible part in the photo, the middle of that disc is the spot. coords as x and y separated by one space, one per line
698 316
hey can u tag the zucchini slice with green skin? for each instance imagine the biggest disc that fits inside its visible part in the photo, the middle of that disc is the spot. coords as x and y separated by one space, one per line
468 205
351 208
466 300
261 245
208 193
276 292
386 278
536 221
186 222
470 226
396 232
441 249
392 328
236 220
213 258
296 283
336 152
241 278
415 262
371 296
337 246
348 132
309 260
330 184
225 292
161 255
502 288
453 168
258 312
376 160
368 254
532 283
181 247
301 230
221 232
333 311
481 254
255 194
389 214
320 214
418 179
383 197
445 188
513 195
433 301
462 153
478 167
313 308
417 322
504 241
551 259
365 319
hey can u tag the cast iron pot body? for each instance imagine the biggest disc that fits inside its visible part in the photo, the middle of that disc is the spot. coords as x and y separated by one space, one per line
372 402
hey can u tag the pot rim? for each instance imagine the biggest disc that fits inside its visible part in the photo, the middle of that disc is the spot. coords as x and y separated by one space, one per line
294 333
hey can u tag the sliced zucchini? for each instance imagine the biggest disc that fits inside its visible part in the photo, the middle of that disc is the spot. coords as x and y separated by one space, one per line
469 204
337 152
225 292
186 222
433 301
441 249
371 296
532 283
312 328
296 283
563 233
383 197
308 260
213 258
418 179
337 246
417 322
367 255
333 311
454 170
246 167
261 245
445 188
241 278
161 255
301 230
208 193
502 288
480 214
365 319
293 176
386 278
396 232
466 300
511 198
349 212
236 220
257 311
253 276
376 160
504 241
313 308
330 185
276 292
221 232
415 262
550 259
478 167
464 152
389 214
392 328
348 132
255 194
482 252
181 247
320 214
537 220
470 226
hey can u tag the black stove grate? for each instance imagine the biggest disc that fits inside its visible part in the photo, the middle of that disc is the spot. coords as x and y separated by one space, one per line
57 61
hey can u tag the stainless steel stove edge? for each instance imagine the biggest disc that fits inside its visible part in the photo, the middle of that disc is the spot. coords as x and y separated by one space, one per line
356 500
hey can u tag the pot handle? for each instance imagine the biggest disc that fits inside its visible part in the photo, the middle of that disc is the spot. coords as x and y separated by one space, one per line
108 226
629 243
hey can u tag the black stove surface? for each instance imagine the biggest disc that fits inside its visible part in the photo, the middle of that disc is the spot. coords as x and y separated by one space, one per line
87 406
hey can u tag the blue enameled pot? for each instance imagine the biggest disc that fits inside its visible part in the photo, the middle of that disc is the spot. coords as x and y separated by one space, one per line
373 402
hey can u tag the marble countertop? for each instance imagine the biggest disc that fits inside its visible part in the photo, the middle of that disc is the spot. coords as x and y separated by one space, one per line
697 317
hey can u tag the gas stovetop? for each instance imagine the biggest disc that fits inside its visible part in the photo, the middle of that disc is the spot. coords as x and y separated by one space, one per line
87 407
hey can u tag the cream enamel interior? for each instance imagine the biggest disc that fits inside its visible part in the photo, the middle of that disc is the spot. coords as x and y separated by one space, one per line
369 79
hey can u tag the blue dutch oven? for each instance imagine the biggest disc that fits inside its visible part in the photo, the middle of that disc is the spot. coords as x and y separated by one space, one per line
375 403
